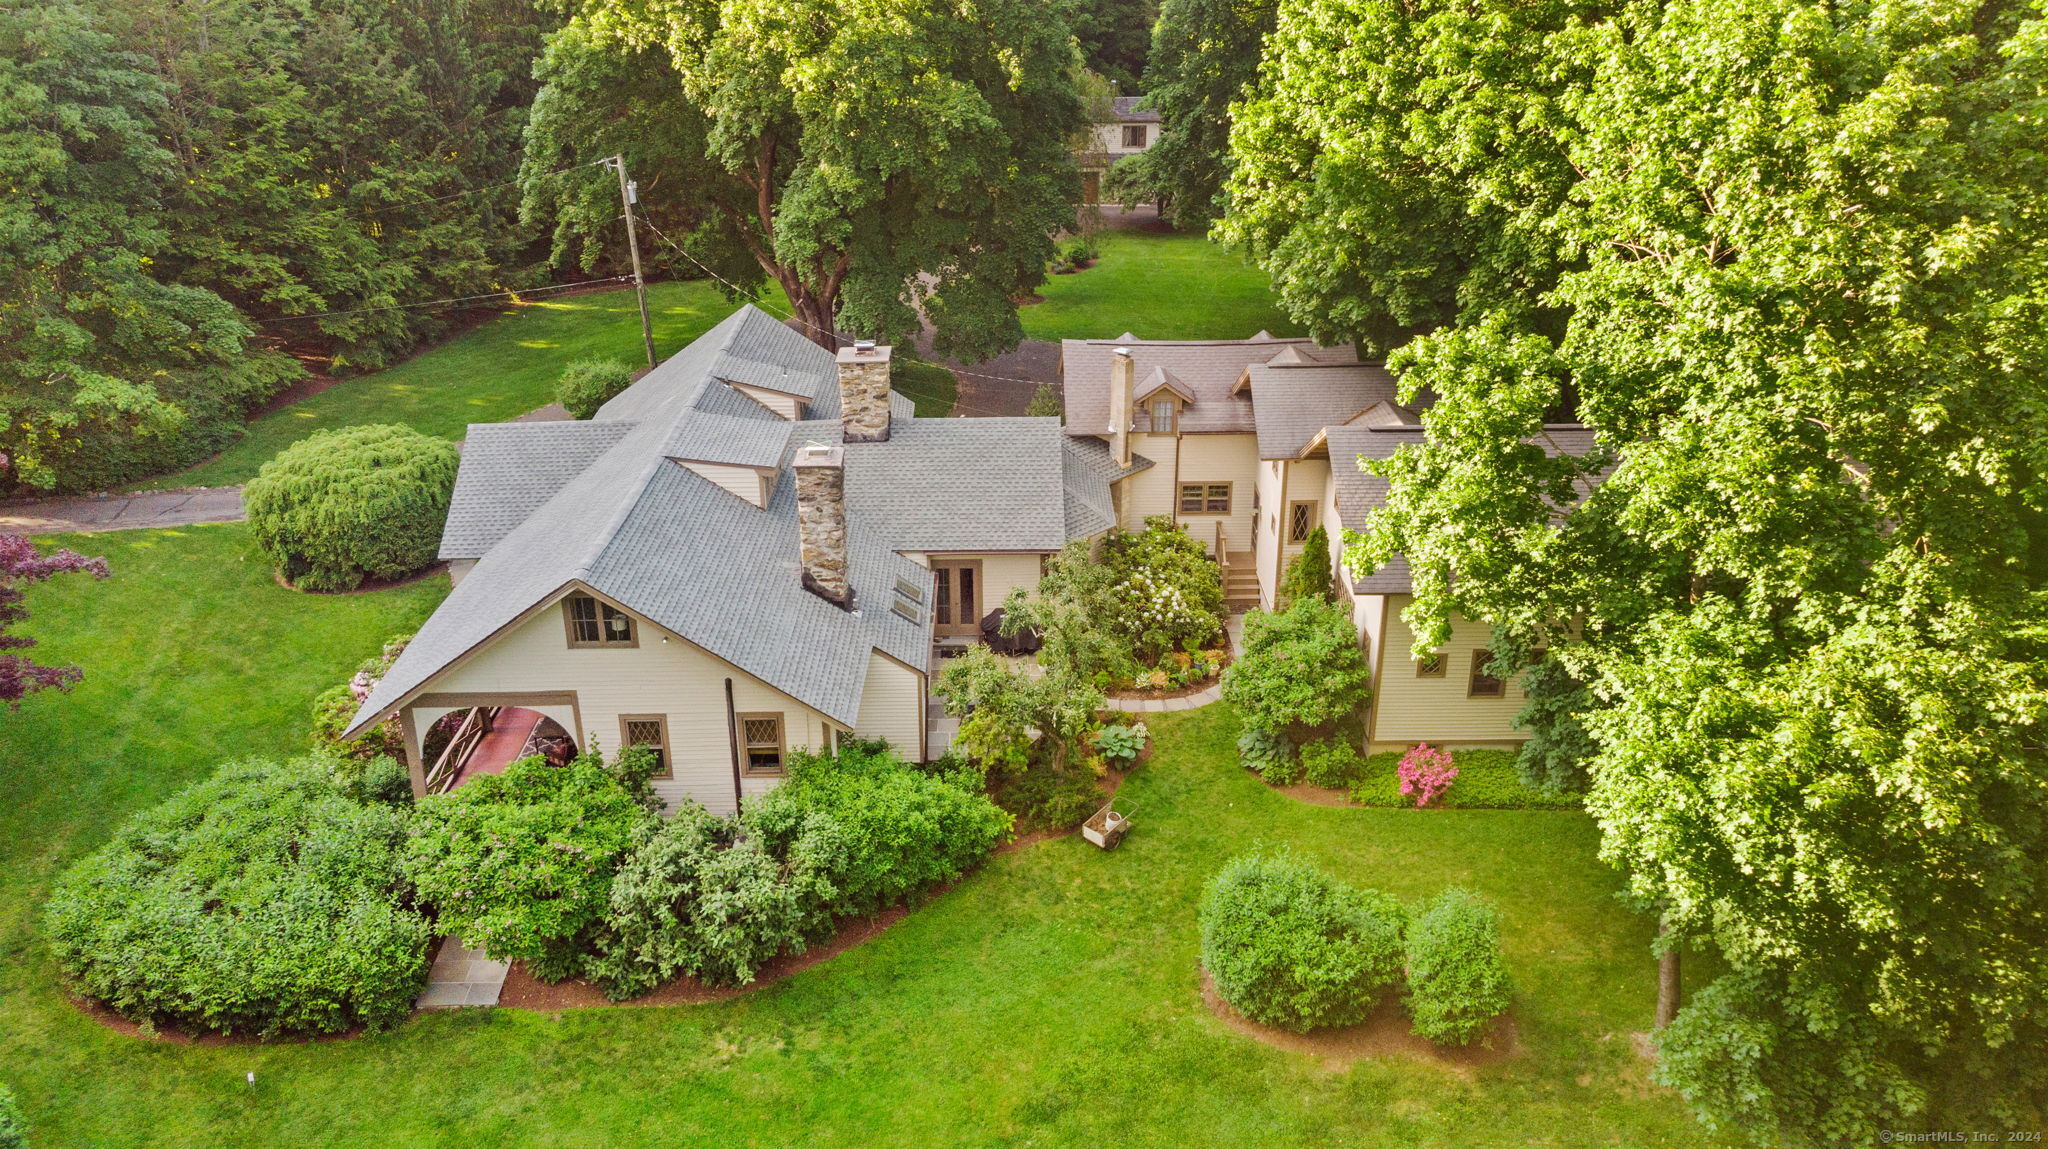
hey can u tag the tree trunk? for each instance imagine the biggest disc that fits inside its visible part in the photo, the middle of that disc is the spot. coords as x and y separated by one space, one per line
814 316
1667 976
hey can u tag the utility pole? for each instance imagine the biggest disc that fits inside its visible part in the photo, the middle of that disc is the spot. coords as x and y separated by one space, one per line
628 194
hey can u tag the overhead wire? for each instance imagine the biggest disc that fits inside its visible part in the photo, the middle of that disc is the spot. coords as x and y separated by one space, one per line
457 299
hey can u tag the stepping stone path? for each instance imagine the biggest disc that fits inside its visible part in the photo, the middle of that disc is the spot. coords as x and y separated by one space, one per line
462 976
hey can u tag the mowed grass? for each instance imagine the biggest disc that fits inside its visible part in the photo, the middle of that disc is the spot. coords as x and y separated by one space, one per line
1158 285
1051 998
500 370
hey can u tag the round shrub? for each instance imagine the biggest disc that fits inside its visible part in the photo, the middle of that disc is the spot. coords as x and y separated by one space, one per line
258 901
698 899
1457 982
588 384
1301 668
360 502
13 1126
521 863
1290 946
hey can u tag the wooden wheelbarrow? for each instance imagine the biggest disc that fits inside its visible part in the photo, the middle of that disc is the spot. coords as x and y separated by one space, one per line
1108 825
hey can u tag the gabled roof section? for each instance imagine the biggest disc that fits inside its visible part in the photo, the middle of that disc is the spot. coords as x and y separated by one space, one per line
509 470
1294 403
713 438
1163 380
1207 369
1126 109
1088 469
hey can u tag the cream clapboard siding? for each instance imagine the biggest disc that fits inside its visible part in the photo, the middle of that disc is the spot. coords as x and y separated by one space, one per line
1307 480
1408 709
1232 459
892 705
1000 573
1266 552
675 678
1150 491
787 406
746 482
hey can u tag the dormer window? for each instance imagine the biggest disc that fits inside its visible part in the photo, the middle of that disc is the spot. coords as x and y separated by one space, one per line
595 623
1165 415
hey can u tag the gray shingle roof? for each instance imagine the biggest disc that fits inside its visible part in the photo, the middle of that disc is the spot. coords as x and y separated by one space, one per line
1127 110
601 504
509 470
1291 404
1208 369
1359 493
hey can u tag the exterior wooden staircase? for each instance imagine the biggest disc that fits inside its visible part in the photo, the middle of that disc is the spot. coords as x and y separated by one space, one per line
1240 582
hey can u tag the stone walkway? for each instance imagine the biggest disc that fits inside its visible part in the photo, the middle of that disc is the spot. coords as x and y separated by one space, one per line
1235 629
462 976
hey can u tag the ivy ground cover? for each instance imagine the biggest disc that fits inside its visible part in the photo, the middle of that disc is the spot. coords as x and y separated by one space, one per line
1050 998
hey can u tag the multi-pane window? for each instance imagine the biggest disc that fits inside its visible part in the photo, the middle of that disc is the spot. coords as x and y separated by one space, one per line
1483 683
1134 135
1205 498
595 623
1432 666
651 731
761 742
1163 411
1301 519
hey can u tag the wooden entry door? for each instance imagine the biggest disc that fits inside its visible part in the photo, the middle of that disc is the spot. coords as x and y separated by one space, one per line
956 586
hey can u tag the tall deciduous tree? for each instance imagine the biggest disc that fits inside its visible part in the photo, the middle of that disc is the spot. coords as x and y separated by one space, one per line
1204 54
875 159
1115 37
1788 262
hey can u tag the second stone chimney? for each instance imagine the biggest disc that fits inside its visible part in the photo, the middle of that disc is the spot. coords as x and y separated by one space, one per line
864 393
821 521
1123 384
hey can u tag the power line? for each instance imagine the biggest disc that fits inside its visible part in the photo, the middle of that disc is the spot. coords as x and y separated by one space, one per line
457 299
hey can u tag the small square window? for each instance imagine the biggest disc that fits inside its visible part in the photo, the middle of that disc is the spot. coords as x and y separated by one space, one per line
1431 667
1134 135
651 731
1205 498
761 742
1483 684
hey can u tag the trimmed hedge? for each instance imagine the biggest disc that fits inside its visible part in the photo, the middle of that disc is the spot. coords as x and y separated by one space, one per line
1288 945
341 506
521 863
1487 780
258 901
1457 983
588 384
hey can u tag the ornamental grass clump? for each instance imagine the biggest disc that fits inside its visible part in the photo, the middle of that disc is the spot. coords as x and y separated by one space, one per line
341 506
1290 946
1426 772
261 900
1457 982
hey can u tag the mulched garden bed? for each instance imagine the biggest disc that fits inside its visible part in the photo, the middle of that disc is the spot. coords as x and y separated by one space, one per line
1109 784
172 1035
368 585
1385 1032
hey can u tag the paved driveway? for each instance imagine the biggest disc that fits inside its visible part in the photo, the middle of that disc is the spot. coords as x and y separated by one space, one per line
66 514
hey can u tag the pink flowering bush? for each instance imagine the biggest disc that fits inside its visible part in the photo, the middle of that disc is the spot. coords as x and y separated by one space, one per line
1426 772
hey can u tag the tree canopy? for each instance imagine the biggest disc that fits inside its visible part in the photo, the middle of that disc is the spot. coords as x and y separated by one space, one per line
873 159
1204 54
1787 263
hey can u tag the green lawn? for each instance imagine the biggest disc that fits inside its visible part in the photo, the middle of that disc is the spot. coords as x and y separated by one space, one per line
1049 999
1158 286
501 370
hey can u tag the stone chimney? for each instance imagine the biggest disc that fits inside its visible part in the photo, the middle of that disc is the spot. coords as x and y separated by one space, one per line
864 392
821 521
1123 385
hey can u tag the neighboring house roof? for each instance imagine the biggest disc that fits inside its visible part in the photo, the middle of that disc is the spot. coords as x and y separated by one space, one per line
548 507
1290 404
1126 110
1359 493
1208 370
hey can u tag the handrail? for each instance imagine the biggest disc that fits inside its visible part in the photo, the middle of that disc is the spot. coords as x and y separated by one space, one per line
1222 549
468 736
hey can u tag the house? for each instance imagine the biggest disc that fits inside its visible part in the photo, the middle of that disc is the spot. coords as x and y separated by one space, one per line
1128 131
1253 444
751 550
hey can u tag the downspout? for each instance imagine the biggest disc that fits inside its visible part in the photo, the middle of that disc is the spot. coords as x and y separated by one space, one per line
732 734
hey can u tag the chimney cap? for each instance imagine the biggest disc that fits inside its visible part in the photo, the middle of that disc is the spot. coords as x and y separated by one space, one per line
864 351
1123 351
816 454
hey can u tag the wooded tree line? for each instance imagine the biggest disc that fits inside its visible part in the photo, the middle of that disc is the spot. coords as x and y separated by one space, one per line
185 174
1788 260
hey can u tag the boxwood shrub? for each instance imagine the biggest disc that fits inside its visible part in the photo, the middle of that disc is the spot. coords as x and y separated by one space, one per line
588 384
258 901
1288 945
1487 779
1457 982
521 863
360 502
